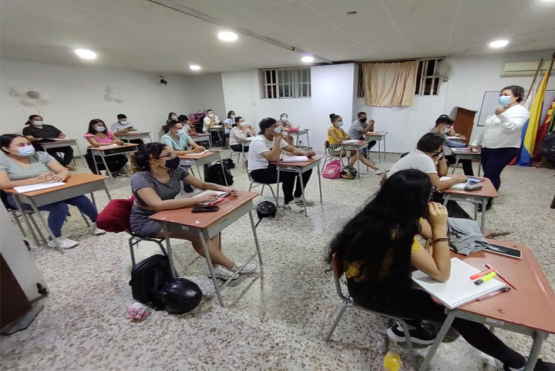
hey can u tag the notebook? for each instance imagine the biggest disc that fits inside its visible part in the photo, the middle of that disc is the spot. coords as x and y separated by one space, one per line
459 289
38 187
295 159
350 141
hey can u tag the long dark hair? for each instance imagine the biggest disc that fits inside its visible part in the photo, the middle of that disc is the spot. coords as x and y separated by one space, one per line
385 229
6 140
92 123
140 161
31 119
237 119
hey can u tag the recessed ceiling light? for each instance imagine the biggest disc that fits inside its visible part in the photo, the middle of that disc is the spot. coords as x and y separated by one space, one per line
227 36
307 59
195 67
499 43
352 12
85 54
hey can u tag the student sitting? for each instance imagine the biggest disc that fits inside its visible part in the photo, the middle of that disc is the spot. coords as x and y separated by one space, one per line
359 128
444 127
267 147
188 127
336 135
210 120
380 249
156 181
286 126
172 116
20 165
239 132
37 131
228 124
179 140
124 127
98 136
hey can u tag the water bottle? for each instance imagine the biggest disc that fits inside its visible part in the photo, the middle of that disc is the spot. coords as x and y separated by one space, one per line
392 362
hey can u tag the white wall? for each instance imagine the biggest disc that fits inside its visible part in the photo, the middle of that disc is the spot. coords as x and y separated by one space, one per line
209 94
239 92
78 96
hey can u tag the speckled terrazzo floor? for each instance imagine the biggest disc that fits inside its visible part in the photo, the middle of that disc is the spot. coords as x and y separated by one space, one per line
280 316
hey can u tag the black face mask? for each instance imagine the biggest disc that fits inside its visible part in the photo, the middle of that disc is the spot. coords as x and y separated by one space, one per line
173 163
363 119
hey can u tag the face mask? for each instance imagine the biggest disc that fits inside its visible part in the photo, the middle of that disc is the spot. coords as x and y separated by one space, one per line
504 100
284 119
38 123
174 117
180 132
26 151
340 123
277 130
123 122
445 130
173 163
243 123
211 115
363 119
233 117
100 129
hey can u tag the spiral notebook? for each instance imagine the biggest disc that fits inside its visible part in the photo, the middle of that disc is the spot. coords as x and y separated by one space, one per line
459 289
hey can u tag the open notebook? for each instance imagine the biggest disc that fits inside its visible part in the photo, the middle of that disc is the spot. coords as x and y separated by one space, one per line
459 289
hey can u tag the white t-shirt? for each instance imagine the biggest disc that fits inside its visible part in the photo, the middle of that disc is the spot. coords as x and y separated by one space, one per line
258 146
504 130
206 121
416 160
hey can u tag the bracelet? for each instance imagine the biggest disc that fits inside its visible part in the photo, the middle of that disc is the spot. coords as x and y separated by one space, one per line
437 240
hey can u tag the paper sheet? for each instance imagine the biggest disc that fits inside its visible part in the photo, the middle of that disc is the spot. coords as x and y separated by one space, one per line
295 159
37 187
350 141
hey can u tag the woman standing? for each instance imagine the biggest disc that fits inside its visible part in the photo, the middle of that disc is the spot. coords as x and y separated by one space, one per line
501 138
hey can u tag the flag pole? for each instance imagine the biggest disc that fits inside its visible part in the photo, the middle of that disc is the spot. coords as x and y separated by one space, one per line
534 80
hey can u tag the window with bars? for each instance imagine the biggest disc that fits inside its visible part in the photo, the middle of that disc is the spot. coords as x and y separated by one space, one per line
285 83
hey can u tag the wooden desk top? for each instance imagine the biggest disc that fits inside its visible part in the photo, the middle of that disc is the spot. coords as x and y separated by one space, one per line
108 148
531 305
131 133
198 135
377 134
465 151
196 157
203 220
488 190
72 181
299 164
57 140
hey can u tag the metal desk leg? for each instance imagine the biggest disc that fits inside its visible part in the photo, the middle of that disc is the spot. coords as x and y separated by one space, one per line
95 163
107 192
223 170
483 221
457 164
320 184
81 155
210 267
479 165
475 211
255 237
384 150
277 190
169 248
307 139
379 151
302 190
45 225
535 351
358 163
44 241
149 138
107 169
25 218
445 199
439 339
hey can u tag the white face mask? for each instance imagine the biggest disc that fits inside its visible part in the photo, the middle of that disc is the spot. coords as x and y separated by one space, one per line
232 116
284 119
445 130
210 115
243 123
100 129
174 117
26 151
38 123
277 130
123 122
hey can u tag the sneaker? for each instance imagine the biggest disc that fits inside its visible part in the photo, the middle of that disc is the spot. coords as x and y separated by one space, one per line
97 231
299 202
65 243
292 208
380 171
249 268
419 335
540 366
221 272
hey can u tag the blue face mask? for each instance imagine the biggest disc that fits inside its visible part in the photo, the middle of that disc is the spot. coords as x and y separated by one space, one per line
26 151
180 132
284 119
340 123
504 100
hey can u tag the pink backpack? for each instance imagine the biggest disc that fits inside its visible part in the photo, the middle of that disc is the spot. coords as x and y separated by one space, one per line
332 170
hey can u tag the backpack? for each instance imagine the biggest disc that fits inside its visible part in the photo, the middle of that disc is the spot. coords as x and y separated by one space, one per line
332 170
229 162
349 172
547 148
218 175
115 216
148 277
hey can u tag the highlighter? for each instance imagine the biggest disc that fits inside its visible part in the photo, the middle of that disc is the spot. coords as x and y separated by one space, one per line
485 278
483 273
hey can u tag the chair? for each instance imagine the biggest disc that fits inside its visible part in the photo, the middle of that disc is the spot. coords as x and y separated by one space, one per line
255 184
330 157
235 153
348 303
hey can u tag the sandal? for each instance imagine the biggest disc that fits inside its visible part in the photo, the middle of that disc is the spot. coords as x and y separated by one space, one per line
498 233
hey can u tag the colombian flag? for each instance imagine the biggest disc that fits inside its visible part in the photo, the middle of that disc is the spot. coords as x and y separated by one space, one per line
531 127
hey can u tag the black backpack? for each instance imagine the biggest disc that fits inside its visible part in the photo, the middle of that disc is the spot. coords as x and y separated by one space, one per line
349 172
218 175
229 162
547 148
148 277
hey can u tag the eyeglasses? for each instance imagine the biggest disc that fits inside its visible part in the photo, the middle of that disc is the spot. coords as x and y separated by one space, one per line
434 188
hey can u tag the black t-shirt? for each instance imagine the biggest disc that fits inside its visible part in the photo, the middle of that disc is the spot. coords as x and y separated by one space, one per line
46 132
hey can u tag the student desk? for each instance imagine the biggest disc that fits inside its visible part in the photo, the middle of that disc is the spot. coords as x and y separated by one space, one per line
460 138
466 154
296 134
475 197
241 154
133 135
354 146
208 225
218 129
76 185
111 150
378 137
300 168
204 137
528 310
66 142
199 160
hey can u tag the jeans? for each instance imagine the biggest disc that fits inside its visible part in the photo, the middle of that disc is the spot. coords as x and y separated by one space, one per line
417 305
269 176
67 152
58 211
494 161
239 148
467 164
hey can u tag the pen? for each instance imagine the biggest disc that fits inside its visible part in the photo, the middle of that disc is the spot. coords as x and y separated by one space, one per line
500 276
504 289
485 278
480 274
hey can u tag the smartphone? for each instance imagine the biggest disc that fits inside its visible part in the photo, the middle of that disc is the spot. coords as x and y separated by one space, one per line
205 209
503 250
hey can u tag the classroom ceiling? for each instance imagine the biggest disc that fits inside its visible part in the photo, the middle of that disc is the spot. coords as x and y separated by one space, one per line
143 36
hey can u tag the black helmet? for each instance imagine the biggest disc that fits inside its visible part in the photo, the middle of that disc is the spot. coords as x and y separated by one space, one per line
266 208
181 295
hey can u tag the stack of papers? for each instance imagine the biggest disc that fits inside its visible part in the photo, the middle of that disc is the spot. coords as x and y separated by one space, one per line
459 186
350 141
37 187
295 159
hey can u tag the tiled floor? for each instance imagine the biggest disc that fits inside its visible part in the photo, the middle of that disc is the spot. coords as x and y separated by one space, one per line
281 315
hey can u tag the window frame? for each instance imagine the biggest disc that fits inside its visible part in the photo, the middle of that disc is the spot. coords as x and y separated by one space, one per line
285 83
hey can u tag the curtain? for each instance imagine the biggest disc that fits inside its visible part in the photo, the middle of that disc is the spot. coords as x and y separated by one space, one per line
389 84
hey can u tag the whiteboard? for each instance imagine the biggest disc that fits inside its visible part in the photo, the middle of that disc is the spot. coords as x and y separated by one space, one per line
489 105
